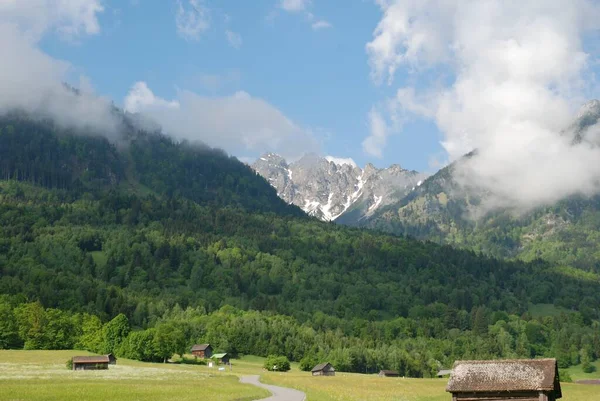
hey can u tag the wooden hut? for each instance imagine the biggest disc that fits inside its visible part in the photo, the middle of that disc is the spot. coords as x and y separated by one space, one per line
221 358
388 373
112 360
444 372
501 380
90 362
202 351
323 369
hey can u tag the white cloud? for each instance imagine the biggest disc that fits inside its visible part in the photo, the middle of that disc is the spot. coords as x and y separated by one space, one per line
301 7
31 80
295 5
375 142
321 24
192 19
238 123
519 69
340 161
234 39
141 97
35 17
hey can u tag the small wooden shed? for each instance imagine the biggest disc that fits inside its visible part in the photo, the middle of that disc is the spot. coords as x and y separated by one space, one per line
112 360
221 358
444 372
323 369
502 380
202 351
90 362
388 373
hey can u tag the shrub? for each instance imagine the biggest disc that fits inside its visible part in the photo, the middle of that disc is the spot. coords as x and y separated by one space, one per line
589 368
69 364
277 363
564 375
307 363
190 361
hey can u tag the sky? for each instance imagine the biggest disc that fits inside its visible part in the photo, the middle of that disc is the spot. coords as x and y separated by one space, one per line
306 60
412 82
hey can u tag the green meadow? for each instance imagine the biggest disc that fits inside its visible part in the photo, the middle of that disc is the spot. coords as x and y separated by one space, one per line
42 375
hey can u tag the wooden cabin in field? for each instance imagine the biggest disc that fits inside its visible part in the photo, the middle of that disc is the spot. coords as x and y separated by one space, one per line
221 358
388 373
323 369
444 372
203 351
503 380
99 362
112 360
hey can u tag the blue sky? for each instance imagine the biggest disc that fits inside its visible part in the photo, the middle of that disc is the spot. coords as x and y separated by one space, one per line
317 76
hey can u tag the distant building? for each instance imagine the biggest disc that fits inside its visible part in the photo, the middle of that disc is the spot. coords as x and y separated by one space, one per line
112 360
90 362
221 358
502 380
323 369
202 350
444 372
388 373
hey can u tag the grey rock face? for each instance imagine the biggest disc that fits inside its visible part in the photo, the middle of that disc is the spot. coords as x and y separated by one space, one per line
336 191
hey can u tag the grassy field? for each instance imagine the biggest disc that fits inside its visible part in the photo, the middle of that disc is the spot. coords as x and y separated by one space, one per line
42 375
358 387
577 372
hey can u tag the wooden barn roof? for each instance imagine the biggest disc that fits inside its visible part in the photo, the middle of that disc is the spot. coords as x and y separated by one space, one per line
505 375
200 347
388 372
91 359
320 367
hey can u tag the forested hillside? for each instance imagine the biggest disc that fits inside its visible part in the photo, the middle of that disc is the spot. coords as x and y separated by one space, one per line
190 245
42 153
566 233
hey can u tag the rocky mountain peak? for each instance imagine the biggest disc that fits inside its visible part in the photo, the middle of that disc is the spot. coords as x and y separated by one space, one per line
590 108
333 188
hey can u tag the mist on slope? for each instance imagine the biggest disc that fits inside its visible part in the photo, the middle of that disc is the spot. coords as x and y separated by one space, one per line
33 82
519 70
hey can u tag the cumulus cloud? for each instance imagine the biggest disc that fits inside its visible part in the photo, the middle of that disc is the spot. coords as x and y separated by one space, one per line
295 5
192 19
141 97
31 80
239 123
519 70
36 17
234 39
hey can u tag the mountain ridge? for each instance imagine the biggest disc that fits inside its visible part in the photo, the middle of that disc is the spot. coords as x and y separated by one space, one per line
331 188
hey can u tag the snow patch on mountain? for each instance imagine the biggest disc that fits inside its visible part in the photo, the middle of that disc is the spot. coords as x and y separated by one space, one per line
330 188
340 161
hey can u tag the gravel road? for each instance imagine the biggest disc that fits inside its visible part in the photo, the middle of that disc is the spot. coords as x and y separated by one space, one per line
279 393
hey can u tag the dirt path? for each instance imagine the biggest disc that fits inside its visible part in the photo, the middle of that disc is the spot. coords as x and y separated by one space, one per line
589 381
279 393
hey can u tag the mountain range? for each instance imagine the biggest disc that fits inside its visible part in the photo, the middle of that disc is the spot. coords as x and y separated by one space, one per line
440 209
330 189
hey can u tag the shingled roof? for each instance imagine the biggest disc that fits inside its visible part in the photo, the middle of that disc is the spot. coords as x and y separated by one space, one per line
200 347
505 375
321 367
91 359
